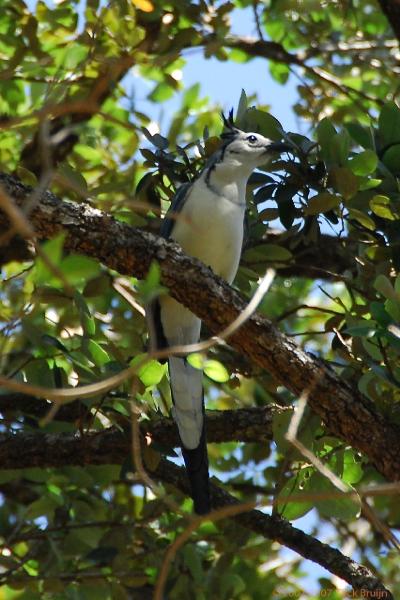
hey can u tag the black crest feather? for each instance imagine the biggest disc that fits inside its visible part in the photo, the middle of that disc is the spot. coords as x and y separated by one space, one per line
229 124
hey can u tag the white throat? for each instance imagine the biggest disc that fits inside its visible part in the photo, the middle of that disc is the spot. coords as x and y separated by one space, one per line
229 183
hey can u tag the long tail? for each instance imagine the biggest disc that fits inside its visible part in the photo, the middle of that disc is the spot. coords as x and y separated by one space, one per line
188 411
196 462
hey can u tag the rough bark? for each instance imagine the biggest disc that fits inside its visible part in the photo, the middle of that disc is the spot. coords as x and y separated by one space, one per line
348 415
329 259
112 446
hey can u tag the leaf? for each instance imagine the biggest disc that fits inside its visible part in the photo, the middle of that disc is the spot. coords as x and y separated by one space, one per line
389 124
338 506
102 555
161 93
53 250
325 133
190 95
362 218
362 329
257 120
99 355
364 163
384 286
294 509
392 307
150 287
286 207
344 181
361 135
26 176
216 371
144 5
265 193
78 268
268 252
380 205
151 373
242 107
87 321
193 562
279 71
391 159
322 203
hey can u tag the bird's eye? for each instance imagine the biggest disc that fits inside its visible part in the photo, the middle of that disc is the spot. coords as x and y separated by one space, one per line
251 139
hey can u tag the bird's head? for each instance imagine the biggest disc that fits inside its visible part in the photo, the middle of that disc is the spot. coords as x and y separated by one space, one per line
247 150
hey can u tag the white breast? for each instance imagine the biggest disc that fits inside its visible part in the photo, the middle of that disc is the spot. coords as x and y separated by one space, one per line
210 227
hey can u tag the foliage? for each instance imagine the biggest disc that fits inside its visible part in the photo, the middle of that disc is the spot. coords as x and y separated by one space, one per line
76 532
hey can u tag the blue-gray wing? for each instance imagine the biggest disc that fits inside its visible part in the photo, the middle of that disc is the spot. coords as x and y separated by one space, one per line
158 340
177 204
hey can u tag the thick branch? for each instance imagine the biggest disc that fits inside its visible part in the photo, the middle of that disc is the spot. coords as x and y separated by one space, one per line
280 530
112 446
348 415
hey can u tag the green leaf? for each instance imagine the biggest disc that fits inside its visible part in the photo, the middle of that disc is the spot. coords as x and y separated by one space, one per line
380 205
211 367
384 286
53 250
325 133
361 328
268 252
190 95
73 177
78 268
391 159
344 181
364 163
279 71
389 124
161 93
150 287
87 321
362 218
337 506
152 372
242 107
197 360
257 120
392 307
216 371
99 355
296 508
193 562
361 135
321 203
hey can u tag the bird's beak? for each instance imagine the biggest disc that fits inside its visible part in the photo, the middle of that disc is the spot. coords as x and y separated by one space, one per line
278 147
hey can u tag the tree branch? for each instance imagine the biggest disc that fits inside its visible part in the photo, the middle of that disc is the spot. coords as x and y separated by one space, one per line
47 450
113 446
280 530
347 413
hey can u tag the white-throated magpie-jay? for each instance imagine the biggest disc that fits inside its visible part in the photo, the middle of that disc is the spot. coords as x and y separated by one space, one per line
209 226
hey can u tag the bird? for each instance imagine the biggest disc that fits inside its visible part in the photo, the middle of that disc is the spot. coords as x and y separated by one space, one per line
206 218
